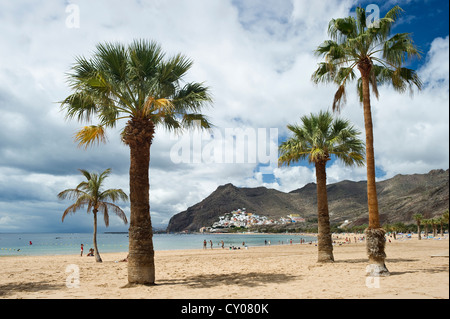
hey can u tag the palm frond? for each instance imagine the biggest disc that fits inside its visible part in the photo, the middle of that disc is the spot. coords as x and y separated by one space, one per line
325 73
145 57
353 42
194 120
86 174
383 27
157 107
399 49
80 203
113 195
339 98
341 29
72 193
90 135
106 208
80 106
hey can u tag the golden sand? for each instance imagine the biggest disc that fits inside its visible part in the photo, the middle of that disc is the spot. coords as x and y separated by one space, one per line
419 269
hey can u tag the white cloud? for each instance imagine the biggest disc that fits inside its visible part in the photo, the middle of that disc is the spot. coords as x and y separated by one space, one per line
412 133
255 55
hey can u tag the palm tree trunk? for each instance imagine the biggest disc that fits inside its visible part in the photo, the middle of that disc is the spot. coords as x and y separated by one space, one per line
96 253
138 134
325 244
418 231
375 239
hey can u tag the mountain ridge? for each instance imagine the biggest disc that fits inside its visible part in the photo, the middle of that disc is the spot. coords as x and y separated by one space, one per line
399 198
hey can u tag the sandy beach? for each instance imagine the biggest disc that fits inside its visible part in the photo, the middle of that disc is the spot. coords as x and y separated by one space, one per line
419 269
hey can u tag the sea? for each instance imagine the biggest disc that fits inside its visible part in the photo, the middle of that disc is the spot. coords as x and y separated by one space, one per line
36 244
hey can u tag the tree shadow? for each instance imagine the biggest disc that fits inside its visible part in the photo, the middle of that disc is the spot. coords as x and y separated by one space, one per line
252 279
366 260
433 270
11 288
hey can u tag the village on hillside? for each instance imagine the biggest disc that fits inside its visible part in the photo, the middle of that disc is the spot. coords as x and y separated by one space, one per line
241 218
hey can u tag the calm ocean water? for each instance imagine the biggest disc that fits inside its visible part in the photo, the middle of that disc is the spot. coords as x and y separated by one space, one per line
69 243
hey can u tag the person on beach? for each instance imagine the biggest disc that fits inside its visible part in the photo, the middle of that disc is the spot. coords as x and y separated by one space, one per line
91 252
211 243
81 254
222 244
204 244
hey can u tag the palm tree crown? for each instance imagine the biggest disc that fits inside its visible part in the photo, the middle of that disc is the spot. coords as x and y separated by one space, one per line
319 137
89 193
371 49
133 82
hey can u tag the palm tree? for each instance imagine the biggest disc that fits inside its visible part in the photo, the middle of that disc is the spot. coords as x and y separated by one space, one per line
445 218
418 218
379 58
317 140
434 223
135 82
90 194
426 222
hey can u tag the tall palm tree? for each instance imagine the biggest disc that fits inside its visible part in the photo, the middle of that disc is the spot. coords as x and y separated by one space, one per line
135 82
90 194
318 139
418 218
379 57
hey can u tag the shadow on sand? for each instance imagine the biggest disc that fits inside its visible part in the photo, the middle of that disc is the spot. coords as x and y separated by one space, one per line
252 279
11 288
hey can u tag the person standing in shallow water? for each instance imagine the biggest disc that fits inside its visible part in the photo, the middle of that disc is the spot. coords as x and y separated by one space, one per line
204 244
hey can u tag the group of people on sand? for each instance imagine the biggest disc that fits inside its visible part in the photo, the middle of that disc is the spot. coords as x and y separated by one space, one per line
90 253
348 240
222 244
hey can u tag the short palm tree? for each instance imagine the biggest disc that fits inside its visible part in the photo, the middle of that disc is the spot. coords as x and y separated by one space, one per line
445 218
135 82
90 194
418 218
434 223
426 223
379 58
318 139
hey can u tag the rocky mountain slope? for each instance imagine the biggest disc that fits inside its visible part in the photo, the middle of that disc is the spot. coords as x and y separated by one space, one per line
399 199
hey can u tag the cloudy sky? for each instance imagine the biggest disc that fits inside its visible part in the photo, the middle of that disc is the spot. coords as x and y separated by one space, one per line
257 58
